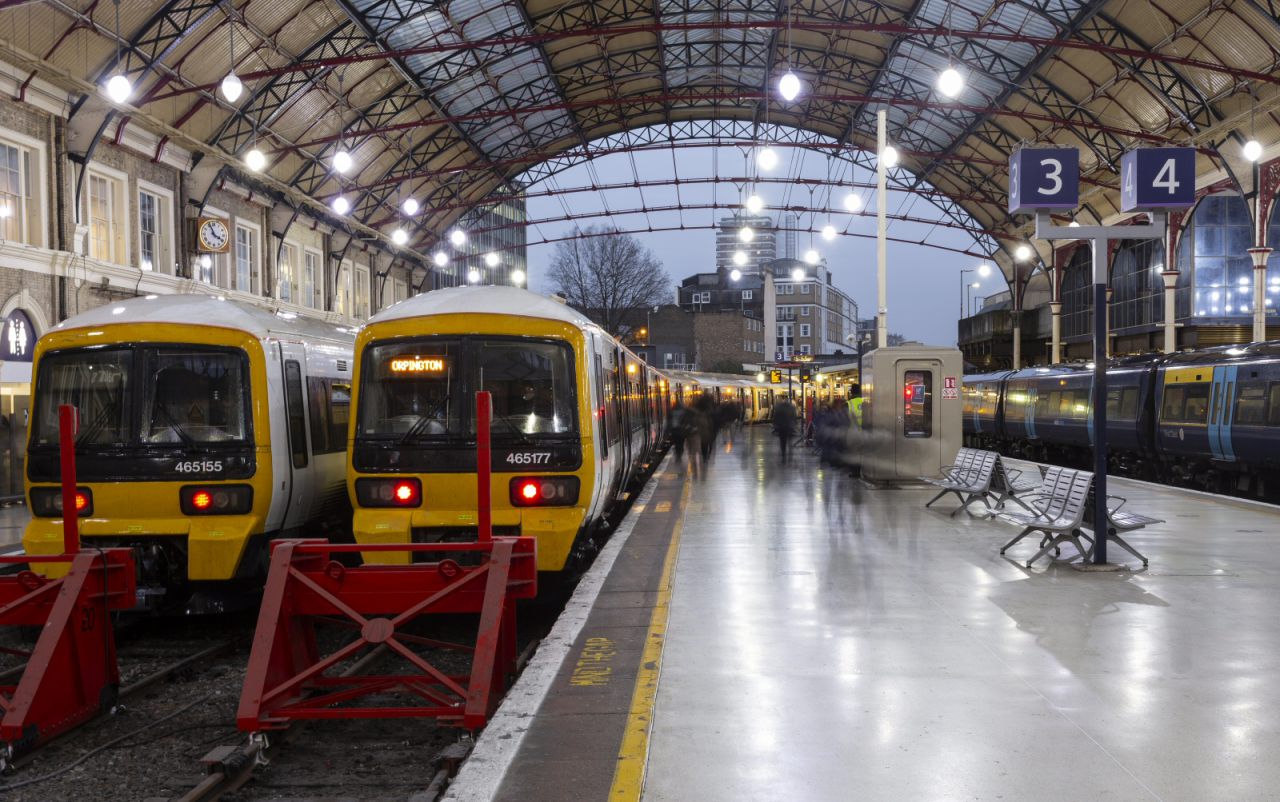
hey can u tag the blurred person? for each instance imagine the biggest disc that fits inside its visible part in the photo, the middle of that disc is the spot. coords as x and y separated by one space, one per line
784 424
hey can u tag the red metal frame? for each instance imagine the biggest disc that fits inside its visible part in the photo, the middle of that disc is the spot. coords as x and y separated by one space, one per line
71 674
289 678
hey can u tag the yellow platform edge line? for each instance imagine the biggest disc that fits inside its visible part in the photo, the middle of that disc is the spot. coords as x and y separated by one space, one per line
633 756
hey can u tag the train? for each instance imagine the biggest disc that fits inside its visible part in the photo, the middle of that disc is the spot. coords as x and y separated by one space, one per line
1208 419
206 427
755 397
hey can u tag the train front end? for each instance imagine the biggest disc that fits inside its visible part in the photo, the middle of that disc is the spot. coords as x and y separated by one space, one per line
167 459
412 461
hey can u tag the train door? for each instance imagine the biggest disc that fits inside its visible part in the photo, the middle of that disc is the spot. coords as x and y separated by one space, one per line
1220 409
919 418
301 468
622 419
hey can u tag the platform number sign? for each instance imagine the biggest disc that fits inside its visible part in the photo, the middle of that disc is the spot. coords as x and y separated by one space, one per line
1044 178
1157 178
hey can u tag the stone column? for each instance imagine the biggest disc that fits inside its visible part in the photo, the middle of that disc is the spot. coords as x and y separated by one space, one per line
1170 310
1055 309
1259 292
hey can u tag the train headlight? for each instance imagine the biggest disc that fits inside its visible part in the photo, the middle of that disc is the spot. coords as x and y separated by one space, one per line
46 502
544 491
389 492
216 499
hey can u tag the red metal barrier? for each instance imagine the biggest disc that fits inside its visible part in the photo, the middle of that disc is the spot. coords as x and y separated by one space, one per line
71 673
375 607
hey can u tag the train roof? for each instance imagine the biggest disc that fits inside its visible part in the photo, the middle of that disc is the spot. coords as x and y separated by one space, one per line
1247 352
207 310
483 301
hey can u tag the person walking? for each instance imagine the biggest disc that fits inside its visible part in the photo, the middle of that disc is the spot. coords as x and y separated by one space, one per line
784 424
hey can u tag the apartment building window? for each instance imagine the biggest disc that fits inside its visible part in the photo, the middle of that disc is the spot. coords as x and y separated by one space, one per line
804 311
805 330
247 254
310 274
362 293
287 280
786 338
804 349
747 295
804 289
107 215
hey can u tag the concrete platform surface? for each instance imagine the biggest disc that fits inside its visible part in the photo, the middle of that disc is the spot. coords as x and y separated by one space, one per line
828 641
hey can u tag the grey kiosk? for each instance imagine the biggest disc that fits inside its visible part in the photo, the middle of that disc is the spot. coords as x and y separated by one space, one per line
911 412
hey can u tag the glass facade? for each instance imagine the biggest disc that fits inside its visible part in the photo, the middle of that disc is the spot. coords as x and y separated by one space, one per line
497 229
1138 297
1214 247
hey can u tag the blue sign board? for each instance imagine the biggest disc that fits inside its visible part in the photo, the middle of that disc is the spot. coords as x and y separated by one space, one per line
1044 178
1157 178
17 338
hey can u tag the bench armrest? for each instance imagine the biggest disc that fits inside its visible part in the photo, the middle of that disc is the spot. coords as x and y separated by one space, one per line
1122 500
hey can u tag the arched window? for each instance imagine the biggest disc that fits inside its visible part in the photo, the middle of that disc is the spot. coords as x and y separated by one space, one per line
1077 294
1137 285
1215 249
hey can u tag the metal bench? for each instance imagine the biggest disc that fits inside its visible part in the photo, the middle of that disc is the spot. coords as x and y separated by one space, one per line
1057 510
1007 483
969 479
1119 520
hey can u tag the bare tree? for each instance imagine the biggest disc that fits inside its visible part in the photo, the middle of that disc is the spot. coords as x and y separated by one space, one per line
607 274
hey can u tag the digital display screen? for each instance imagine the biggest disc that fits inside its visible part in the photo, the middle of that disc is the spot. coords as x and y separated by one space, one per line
409 365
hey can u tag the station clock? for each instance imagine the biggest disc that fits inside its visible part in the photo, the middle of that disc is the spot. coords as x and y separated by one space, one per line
212 235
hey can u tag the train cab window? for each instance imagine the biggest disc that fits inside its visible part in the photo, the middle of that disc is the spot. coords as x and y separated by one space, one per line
297 417
96 383
532 386
917 418
410 390
1251 405
194 396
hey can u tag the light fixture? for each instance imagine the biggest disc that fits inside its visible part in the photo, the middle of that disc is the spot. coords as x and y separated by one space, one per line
342 161
746 234
473 275
977 285
950 82
828 232
811 256
797 275
206 261
755 204
491 259
5 211
984 270
1073 224
410 206
399 236
890 157
119 88
853 202
789 86
517 277
767 159
441 258
255 159
232 87
1252 150
1022 253
340 204
458 237
759 377
739 258
735 274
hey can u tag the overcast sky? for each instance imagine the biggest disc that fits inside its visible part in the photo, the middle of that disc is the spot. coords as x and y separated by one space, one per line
924 282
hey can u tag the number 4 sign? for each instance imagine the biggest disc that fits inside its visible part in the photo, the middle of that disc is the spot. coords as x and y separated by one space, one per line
1157 178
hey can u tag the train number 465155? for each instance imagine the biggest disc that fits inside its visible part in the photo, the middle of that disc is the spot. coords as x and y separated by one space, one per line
199 466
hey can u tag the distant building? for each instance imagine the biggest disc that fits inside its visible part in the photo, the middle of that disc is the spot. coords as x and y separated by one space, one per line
813 315
760 251
712 339
789 238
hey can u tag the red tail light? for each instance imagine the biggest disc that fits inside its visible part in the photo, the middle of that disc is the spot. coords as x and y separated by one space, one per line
82 502
406 493
389 492
202 500
46 502
216 500
544 491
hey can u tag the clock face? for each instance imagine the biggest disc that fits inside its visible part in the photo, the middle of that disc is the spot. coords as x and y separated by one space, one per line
214 235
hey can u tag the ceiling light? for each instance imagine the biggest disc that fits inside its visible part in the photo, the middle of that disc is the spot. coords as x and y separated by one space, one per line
255 160
797 275
491 259
410 206
473 275
517 277
458 237
1073 224
119 88
767 159
399 236
984 270
739 258
736 274
340 204
950 82
828 232
755 204
1252 150
1022 253
853 202
441 258
746 234
789 86
890 157
811 256
342 161
232 87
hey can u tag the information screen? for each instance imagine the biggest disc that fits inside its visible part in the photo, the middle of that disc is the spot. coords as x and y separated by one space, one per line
415 366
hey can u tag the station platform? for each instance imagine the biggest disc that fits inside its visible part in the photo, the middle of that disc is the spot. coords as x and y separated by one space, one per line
761 632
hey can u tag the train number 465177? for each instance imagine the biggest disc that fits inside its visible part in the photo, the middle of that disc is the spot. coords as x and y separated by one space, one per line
529 458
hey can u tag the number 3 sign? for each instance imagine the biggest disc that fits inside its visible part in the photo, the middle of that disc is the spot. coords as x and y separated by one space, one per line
1157 178
1044 178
